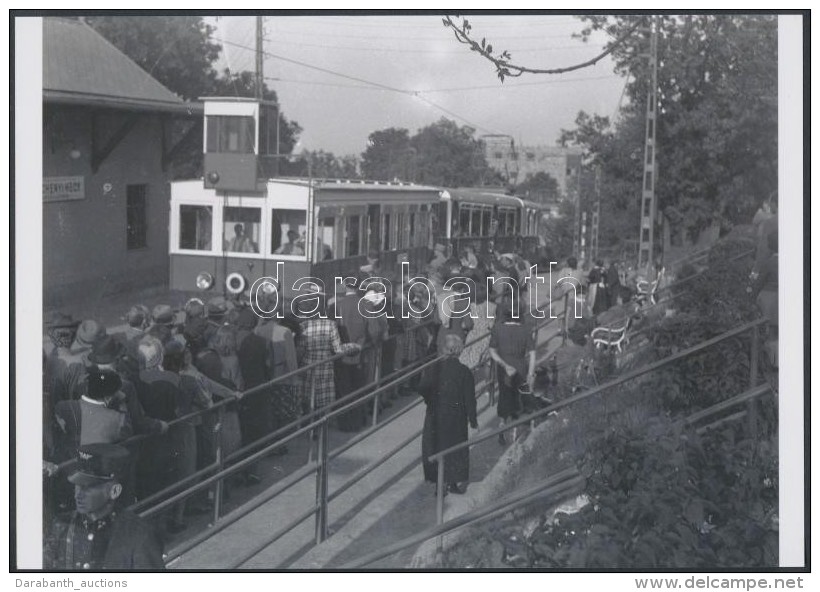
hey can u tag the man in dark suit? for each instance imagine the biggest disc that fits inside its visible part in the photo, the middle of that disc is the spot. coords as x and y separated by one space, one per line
100 534
255 417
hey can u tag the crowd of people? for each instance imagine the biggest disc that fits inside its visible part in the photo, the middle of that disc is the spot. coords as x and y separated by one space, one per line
160 374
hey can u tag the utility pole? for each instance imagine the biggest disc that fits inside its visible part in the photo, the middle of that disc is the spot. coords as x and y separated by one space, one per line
576 228
583 255
596 217
259 62
648 204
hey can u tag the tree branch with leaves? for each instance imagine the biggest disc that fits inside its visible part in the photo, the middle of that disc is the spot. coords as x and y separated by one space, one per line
503 61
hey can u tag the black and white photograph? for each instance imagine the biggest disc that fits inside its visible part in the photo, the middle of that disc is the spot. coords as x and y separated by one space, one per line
411 291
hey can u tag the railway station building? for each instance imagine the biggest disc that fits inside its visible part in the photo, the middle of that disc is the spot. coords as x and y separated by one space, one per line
111 134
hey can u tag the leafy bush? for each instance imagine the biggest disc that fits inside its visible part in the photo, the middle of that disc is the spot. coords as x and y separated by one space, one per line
662 496
667 499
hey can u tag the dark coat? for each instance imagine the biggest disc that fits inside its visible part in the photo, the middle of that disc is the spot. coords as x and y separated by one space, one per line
133 545
449 392
255 409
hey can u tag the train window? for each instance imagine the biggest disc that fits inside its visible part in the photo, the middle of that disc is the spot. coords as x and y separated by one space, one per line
231 133
195 223
288 229
386 234
486 221
401 230
325 235
240 229
464 221
475 223
353 236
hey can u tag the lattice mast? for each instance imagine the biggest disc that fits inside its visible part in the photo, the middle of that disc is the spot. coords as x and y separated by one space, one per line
648 202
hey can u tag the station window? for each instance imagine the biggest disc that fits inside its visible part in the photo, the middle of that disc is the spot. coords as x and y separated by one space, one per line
231 133
136 217
195 227
240 229
288 230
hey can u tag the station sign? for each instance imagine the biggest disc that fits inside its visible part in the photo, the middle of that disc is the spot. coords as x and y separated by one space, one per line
63 188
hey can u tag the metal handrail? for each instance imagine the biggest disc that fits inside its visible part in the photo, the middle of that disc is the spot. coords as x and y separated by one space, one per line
567 477
321 422
320 508
261 388
440 456
560 484
628 376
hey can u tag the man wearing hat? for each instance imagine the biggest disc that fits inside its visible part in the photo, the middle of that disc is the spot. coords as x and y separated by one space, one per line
137 319
67 367
108 354
99 534
98 416
163 319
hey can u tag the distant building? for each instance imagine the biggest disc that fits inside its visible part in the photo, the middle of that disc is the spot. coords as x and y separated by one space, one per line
110 135
517 163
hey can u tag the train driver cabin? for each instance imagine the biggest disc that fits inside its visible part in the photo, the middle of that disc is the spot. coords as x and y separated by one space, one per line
240 220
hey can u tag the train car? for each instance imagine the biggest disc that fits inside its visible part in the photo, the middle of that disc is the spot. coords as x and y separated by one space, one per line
238 223
489 220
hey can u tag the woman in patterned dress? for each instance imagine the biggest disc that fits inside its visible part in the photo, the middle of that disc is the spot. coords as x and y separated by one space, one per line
319 340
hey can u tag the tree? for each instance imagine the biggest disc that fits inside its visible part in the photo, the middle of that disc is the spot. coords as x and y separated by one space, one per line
388 155
441 153
327 165
717 122
541 188
448 155
179 52
717 127
176 50
558 231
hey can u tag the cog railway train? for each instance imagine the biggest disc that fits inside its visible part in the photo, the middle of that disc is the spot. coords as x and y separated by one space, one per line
241 219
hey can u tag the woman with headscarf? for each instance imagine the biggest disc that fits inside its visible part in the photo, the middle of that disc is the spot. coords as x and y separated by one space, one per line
448 389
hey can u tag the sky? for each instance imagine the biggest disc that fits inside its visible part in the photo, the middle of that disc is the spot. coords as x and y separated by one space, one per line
409 71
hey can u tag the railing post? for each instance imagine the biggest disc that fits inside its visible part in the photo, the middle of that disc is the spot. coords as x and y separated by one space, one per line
321 484
377 356
565 321
311 433
440 503
751 407
218 458
755 355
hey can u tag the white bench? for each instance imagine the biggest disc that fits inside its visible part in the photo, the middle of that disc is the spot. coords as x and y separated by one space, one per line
646 289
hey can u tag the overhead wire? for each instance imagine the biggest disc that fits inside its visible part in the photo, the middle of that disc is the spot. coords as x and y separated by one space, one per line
435 21
406 92
436 51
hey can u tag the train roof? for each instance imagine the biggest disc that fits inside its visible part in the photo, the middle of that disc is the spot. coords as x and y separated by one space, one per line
483 195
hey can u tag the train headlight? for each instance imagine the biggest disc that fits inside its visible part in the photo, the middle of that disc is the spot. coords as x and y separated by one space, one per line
235 283
204 281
